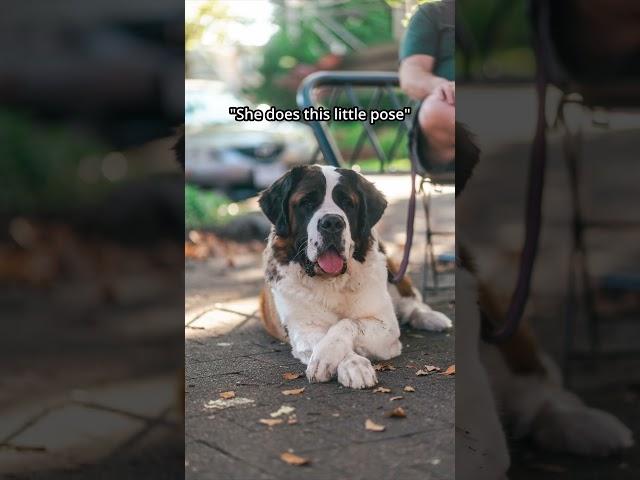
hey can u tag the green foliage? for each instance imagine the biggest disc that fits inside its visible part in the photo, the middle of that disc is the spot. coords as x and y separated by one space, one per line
285 51
502 37
195 27
40 164
204 208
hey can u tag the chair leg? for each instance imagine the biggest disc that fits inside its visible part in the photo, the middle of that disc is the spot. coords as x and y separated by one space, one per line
432 253
425 262
429 254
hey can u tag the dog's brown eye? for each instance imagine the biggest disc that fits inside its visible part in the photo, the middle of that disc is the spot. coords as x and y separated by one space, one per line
347 201
308 201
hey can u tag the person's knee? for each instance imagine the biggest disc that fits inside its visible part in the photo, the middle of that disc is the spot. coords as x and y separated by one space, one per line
436 115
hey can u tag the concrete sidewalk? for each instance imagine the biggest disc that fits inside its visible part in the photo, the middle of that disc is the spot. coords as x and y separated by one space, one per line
227 350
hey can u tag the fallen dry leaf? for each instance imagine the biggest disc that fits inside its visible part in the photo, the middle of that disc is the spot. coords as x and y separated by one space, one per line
293 391
393 399
228 395
409 388
397 412
293 459
382 390
283 410
451 370
292 420
291 375
373 426
383 367
271 421
221 403
432 368
421 373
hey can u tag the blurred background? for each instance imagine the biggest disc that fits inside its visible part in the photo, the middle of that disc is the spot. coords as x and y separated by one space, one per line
91 209
584 302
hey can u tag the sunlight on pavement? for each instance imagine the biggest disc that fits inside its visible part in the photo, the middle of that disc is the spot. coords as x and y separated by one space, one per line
220 318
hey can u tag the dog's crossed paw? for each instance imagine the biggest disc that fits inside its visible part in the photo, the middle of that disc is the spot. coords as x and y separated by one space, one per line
325 359
356 371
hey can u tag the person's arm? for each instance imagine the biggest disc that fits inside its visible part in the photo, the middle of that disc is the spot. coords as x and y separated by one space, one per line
416 76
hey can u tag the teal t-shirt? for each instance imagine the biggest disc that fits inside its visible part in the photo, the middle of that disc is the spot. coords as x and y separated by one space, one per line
431 31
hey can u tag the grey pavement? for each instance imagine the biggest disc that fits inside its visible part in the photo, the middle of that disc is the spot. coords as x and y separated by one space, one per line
227 350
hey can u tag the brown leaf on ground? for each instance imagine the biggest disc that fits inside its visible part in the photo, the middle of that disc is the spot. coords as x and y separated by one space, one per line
271 421
432 368
291 375
397 412
228 395
421 373
393 399
293 459
292 420
451 370
293 391
382 390
373 426
409 388
383 367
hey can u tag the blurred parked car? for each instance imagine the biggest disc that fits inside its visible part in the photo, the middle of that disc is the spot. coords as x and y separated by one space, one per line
225 154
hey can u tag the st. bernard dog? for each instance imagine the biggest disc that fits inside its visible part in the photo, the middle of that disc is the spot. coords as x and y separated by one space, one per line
327 291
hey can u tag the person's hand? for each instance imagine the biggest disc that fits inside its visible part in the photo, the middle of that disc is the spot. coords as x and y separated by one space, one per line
446 91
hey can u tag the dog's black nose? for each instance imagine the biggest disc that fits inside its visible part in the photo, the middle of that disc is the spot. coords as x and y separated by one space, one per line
331 223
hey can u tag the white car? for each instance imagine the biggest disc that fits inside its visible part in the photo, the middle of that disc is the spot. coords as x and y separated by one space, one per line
225 154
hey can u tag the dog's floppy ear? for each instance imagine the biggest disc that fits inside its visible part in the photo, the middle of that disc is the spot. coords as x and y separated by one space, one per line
373 203
274 201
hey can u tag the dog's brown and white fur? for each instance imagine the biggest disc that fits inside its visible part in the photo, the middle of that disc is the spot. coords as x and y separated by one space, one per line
337 318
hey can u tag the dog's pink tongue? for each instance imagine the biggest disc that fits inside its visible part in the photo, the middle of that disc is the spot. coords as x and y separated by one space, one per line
331 262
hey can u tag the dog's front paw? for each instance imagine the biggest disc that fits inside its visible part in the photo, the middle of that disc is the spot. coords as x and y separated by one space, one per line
581 430
356 371
325 360
423 318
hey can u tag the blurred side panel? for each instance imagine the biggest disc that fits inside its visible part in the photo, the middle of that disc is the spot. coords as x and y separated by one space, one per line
559 396
91 233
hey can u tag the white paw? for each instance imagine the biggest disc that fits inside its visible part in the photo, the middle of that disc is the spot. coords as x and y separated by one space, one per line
356 371
581 430
423 318
324 361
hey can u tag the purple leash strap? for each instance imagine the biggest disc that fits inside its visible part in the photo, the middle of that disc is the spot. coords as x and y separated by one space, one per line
411 212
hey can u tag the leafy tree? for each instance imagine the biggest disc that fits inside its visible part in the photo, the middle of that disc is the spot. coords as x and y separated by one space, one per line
295 46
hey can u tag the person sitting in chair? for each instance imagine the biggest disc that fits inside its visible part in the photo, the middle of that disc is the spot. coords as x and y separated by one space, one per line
427 74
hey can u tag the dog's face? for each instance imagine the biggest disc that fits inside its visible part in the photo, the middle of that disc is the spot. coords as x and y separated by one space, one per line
322 217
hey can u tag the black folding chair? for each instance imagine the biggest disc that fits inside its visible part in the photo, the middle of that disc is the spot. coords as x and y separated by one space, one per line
585 84
386 141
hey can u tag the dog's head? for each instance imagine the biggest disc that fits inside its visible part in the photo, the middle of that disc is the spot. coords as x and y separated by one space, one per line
322 217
